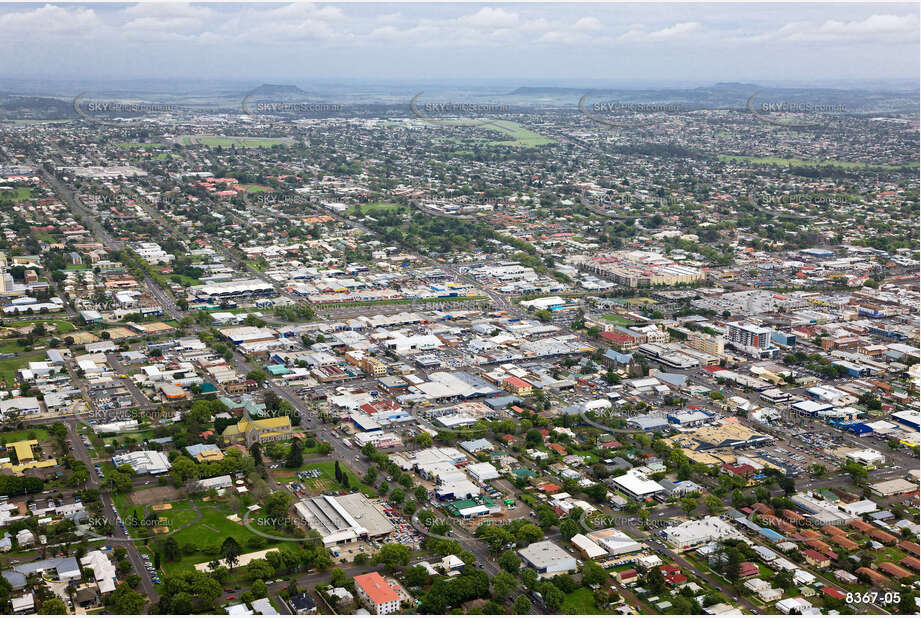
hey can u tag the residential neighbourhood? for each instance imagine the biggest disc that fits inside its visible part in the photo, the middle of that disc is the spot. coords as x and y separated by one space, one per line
363 362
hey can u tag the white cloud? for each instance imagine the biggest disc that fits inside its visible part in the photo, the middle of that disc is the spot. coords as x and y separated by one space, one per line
50 21
588 24
639 34
883 28
166 18
490 18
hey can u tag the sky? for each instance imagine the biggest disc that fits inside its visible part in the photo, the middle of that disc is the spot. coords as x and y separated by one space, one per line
547 42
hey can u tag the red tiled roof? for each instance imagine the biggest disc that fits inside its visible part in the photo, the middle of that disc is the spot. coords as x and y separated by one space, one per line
378 590
748 569
816 556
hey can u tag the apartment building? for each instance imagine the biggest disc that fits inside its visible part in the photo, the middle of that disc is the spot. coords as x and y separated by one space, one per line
376 594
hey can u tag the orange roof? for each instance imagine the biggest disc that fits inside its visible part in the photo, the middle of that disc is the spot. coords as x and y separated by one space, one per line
517 382
378 590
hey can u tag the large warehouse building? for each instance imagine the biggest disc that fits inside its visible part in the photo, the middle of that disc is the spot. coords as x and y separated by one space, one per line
343 519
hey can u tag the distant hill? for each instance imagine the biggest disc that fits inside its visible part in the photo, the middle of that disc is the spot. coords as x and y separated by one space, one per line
278 90
35 108
734 95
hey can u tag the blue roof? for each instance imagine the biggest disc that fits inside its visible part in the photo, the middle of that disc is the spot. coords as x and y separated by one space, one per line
480 444
773 535
620 358
497 403
675 379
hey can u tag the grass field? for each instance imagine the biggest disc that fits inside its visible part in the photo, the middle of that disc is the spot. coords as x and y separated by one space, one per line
376 208
327 482
184 280
24 434
61 326
519 135
139 436
619 320
580 601
809 162
9 366
257 189
17 194
238 142
214 527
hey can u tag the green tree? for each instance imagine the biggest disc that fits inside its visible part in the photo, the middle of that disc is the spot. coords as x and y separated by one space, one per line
393 555
503 584
553 596
171 549
295 458
522 604
654 580
183 469
52 607
126 601
230 551
593 573
259 589
529 577
688 504
568 528
714 505
509 561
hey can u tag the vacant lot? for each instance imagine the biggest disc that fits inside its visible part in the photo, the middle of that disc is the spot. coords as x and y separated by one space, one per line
81 337
154 495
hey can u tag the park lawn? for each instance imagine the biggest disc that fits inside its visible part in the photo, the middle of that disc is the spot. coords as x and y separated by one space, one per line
24 434
175 519
327 482
213 526
238 576
580 601
809 162
257 189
